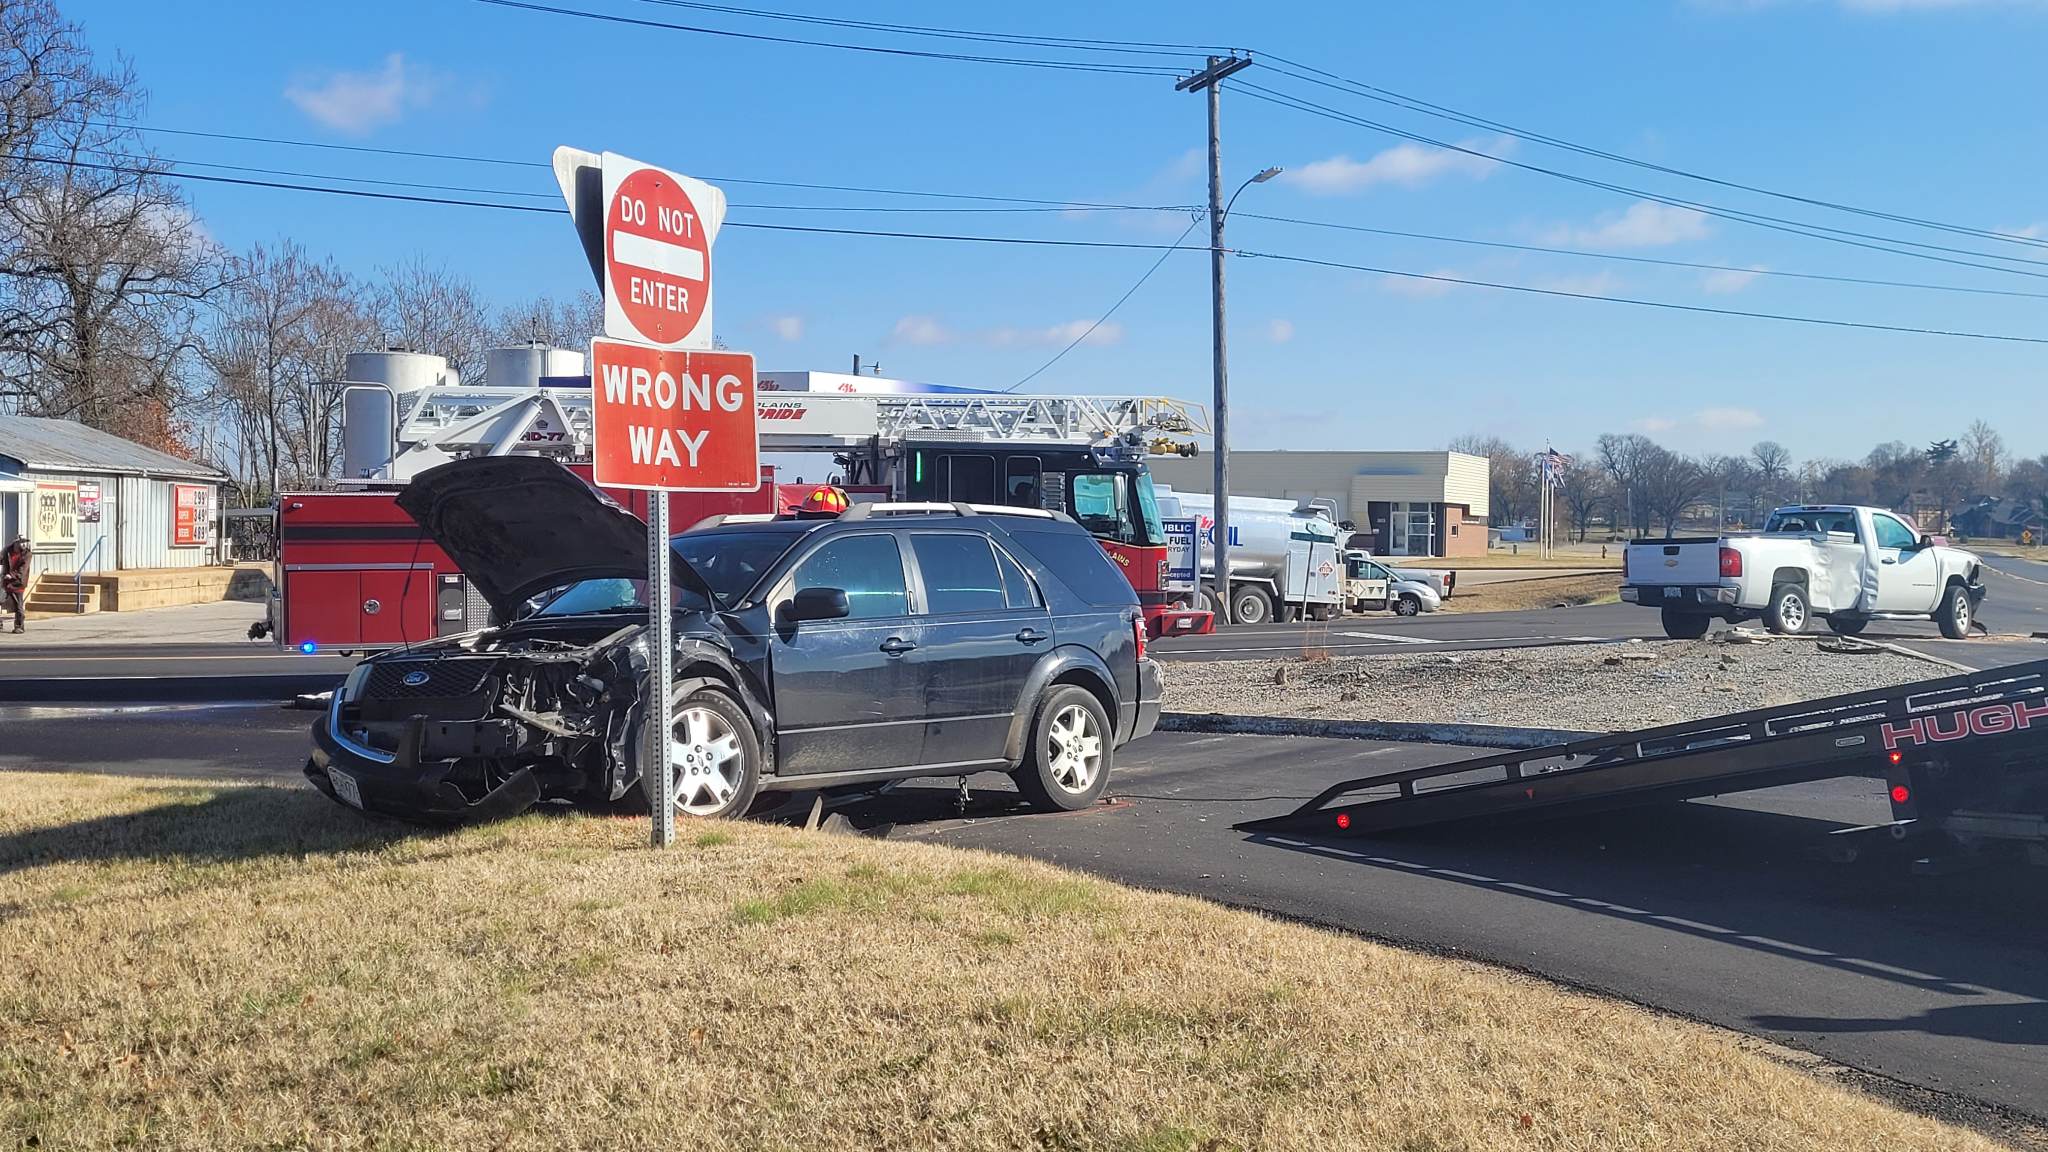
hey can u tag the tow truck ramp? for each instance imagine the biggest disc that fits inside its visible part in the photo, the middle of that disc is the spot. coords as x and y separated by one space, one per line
1992 720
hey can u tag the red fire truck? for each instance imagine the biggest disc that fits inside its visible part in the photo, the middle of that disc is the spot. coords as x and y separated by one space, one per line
355 574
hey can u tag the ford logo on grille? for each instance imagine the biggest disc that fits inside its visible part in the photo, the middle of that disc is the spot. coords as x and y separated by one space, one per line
415 679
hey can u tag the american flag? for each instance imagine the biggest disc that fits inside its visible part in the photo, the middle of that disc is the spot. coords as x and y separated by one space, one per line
1554 464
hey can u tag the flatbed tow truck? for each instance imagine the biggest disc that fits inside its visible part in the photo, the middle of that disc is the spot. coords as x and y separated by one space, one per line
1964 758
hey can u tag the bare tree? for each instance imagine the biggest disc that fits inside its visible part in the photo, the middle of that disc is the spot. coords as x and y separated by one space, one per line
285 328
1622 457
1730 475
1671 484
1511 477
1584 489
1984 449
425 307
1773 472
101 263
565 322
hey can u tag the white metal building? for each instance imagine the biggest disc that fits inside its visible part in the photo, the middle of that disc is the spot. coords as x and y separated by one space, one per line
93 502
1408 503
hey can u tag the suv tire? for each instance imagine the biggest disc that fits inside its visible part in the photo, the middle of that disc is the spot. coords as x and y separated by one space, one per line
1788 613
717 754
1682 625
1954 613
1066 764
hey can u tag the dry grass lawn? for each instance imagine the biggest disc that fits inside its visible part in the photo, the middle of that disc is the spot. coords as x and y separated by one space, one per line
234 966
1540 592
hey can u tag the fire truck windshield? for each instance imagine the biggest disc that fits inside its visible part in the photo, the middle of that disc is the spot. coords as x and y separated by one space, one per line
1117 506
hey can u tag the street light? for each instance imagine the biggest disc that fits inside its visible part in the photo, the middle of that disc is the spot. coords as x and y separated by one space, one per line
1220 416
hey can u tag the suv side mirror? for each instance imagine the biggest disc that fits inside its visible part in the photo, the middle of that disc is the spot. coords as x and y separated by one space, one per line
817 604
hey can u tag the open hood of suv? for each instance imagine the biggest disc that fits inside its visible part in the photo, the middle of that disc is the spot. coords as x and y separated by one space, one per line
520 525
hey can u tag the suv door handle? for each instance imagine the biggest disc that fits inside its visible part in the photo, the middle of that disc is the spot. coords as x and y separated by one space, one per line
897 645
1033 636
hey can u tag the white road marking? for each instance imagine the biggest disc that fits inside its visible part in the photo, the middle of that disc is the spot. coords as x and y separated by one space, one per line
1391 638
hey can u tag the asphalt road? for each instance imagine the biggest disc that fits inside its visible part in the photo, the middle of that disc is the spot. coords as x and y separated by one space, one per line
1711 909
2015 607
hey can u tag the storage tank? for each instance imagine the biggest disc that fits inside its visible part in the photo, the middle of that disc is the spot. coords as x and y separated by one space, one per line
522 365
398 370
369 415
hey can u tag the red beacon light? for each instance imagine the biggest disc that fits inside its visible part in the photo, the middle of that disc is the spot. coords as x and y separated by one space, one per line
1897 756
1343 819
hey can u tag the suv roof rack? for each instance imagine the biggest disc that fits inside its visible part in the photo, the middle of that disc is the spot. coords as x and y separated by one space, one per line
869 509
734 518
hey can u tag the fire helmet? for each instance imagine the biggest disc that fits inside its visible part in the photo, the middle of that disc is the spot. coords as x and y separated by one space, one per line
824 500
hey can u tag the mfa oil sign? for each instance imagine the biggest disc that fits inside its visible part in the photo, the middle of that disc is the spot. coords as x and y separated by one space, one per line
55 517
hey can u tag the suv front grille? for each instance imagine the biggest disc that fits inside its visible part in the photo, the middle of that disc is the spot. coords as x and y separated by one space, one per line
430 679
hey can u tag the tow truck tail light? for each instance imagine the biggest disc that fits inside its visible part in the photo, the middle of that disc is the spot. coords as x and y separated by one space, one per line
1901 794
1731 562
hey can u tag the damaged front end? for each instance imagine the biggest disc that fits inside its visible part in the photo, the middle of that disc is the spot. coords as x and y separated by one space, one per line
486 726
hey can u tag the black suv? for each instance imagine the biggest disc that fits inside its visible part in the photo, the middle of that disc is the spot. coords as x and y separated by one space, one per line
894 641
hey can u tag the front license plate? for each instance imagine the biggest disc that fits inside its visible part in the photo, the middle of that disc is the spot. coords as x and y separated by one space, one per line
345 788
1673 593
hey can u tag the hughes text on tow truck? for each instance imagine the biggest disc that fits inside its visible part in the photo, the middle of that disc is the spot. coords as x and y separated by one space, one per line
354 573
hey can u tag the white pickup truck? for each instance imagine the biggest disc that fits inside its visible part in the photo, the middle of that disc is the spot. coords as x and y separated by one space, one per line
1846 565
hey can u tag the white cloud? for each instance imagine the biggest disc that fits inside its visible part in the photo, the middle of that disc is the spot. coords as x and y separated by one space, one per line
788 329
1593 284
1729 281
1409 165
2030 231
1645 224
920 330
1704 420
1280 331
928 330
357 103
1728 419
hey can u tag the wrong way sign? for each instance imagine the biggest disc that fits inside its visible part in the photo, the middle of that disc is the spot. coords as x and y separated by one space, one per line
658 230
673 419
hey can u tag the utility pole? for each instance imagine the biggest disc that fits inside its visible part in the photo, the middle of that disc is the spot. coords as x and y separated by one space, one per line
1210 80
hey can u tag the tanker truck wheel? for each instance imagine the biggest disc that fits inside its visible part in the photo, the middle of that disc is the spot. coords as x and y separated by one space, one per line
1250 606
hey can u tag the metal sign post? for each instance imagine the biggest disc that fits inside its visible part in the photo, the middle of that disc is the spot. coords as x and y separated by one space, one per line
661 658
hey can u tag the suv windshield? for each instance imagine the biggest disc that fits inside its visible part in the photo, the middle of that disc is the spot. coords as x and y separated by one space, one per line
731 562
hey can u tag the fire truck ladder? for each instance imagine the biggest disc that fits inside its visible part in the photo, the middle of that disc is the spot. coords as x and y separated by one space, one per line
443 423
1794 743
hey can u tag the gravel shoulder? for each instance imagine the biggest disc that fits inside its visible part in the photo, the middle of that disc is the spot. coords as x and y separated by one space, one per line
1600 687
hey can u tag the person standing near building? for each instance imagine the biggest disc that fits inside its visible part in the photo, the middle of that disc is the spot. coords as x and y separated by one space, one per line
14 581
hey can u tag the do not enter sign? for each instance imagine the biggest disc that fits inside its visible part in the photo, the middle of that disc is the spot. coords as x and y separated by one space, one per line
675 420
658 231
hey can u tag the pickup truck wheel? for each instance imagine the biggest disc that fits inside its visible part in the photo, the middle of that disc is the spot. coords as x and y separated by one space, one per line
1250 606
1954 613
1680 625
1788 613
1847 625
1066 767
1407 606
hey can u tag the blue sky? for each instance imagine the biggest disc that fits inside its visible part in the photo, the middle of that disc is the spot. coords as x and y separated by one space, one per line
1926 108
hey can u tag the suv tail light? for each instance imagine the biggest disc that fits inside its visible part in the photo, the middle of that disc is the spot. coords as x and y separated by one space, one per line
1138 630
1731 562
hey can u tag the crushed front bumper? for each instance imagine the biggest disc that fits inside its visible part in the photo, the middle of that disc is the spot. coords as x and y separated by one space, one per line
404 784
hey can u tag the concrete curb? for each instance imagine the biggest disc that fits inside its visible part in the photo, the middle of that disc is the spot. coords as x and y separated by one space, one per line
162 689
1401 731
1902 650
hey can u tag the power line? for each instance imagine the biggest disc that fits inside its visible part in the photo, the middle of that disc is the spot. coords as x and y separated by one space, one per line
1057 65
1793 227
1331 80
1037 242
1651 260
1104 318
1017 38
1641 303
